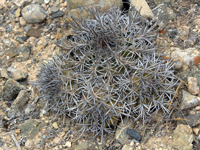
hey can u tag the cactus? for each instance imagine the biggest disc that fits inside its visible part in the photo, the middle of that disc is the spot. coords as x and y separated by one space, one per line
110 69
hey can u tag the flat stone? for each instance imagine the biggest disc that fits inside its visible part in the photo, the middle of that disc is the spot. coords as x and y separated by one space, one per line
18 12
34 32
189 100
58 14
82 145
3 73
21 100
33 13
127 147
24 52
134 134
22 39
11 90
145 9
190 118
30 128
182 137
16 74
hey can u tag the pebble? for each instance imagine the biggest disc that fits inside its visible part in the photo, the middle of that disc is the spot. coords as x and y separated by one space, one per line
55 125
17 12
54 9
193 86
22 39
68 144
34 32
33 13
22 21
127 147
58 14
11 90
134 134
46 1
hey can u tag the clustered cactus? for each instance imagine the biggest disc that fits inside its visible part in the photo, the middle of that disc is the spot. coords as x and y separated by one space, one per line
110 69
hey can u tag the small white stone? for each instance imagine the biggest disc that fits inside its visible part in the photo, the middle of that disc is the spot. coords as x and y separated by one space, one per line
46 1
68 144
55 125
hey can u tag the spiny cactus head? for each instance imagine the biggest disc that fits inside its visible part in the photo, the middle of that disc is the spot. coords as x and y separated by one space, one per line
110 70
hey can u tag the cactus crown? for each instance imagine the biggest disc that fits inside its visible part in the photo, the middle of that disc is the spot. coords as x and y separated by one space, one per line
111 69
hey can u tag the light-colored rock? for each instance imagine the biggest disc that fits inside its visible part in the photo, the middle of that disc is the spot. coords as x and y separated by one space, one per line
120 133
56 140
193 86
22 21
20 2
30 144
16 74
182 137
189 100
68 144
46 1
184 32
33 13
105 4
186 56
127 147
145 9
3 73
18 12
55 125
196 131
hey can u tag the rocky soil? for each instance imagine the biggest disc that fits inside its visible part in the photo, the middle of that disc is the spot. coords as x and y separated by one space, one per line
29 32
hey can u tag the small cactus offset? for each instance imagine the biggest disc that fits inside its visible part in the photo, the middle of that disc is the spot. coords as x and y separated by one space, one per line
110 69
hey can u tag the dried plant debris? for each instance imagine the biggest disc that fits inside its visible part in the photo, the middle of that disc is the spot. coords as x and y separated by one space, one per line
109 70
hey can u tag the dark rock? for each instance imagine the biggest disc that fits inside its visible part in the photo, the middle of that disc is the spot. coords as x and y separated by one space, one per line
21 100
164 13
18 104
11 90
24 53
134 134
58 14
22 39
12 52
34 32
187 117
185 75
9 29
26 28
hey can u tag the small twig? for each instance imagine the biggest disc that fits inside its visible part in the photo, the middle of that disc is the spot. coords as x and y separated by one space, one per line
16 143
